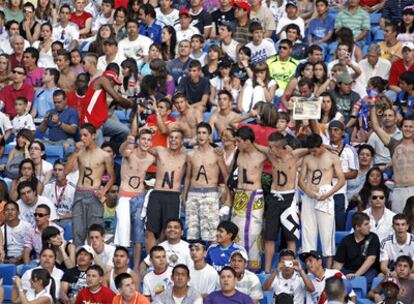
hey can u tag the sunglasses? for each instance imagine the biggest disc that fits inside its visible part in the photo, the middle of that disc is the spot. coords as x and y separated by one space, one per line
283 47
375 197
18 72
40 215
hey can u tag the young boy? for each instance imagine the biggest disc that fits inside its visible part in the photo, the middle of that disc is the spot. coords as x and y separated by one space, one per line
95 292
197 44
159 279
218 254
282 127
22 120
185 30
261 48
322 27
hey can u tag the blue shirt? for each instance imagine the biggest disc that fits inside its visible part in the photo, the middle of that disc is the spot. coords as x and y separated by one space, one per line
218 297
68 116
218 256
153 31
392 10
405 104
319 28
43 101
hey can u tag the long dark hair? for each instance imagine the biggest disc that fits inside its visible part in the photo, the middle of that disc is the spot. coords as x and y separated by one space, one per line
49 232
97 45
130 64
41 274
160 70
33 179
334 108
168 51
131 14
325 69
365 192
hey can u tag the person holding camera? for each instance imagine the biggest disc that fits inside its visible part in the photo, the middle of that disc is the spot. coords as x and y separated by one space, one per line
289 281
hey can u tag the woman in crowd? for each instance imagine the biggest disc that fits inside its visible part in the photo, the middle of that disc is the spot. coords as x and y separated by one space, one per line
45 47
38 293
45 12
169 43
43 169
75 61
133 9
5 75
26 173
154 53
320 71
214 54
65 251
165 82
409 213
120 16
105 32
243 69
406 27
130 84
13 10
260 87
29 28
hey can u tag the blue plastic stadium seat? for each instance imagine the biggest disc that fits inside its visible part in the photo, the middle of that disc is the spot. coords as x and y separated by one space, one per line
206 116
54 152
378 35
365 50
376 281
67 234
7 293
375 19
348 223
339 235
175 114
359 285
332 48
26 268
7 272
262 277
364 301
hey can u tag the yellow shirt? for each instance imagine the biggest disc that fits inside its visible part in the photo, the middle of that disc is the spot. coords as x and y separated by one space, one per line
282 71
388 52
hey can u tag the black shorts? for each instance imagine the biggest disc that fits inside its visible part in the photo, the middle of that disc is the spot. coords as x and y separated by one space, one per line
162 205
274 210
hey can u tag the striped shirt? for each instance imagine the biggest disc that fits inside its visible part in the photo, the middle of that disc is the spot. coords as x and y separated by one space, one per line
357 21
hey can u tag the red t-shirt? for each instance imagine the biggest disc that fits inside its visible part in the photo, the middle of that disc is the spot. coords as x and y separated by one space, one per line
8 94
75 101
14 62
119 3
104 296
261 134
368 3
80 20
397 68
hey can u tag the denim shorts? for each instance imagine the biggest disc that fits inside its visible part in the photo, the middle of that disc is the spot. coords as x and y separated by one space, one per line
137 225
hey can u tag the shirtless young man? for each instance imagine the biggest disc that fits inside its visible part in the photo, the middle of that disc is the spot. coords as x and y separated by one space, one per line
402 159
221 119
135 162
248 204
93 162
188 119
318 207
281 211
201 187
164 200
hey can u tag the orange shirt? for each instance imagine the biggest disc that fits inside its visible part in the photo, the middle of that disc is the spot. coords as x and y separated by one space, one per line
137 299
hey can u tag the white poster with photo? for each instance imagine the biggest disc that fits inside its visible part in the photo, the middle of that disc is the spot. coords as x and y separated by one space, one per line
307 108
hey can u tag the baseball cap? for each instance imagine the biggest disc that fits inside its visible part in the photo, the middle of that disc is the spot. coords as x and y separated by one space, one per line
409 45
86 248
184 11
291 2
242 253
111 40
344 78
243 5
113 76
337 124
230 25
196 244
408 10
390 280
303 256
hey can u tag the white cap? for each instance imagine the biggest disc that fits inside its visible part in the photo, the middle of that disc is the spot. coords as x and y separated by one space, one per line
87 248
409 45
242 253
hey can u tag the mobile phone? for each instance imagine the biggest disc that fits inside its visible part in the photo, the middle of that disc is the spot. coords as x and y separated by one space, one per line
289 264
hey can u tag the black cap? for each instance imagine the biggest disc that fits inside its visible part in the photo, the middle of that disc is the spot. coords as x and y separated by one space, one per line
337 124
303 256
111 40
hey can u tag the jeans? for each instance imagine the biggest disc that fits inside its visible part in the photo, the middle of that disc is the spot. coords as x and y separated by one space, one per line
340 216
114 129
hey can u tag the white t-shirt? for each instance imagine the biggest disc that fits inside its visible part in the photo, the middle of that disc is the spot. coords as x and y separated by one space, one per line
383 226
136 49
205 280
176 254
99 21
285 21
170 19
250 285
262 51
391 250
53 193
349 161
27 212
107 255
23 122
31 295
293 286
45 59
185 34
5 123
103 63
15 238
46 168
56 275
154 284
65 35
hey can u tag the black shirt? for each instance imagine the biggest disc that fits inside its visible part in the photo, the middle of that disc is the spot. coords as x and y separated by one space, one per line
194 91
201 20
76 280
218 17
350 253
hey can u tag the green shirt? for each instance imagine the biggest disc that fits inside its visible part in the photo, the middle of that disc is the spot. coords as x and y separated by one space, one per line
282 71
357 21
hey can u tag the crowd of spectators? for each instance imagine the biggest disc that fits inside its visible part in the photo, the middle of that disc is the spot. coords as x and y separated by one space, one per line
153 151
